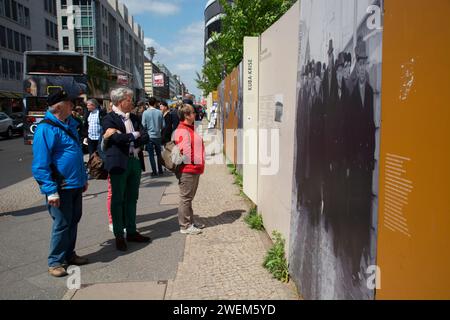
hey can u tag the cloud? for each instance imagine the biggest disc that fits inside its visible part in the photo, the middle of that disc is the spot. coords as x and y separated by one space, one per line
186 66
161 51
153 6
194 29
185 55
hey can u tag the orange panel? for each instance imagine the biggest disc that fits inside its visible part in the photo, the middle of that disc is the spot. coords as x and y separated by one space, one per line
414 212
231 119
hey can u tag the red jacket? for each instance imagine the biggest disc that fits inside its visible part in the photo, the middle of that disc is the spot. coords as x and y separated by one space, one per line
192 147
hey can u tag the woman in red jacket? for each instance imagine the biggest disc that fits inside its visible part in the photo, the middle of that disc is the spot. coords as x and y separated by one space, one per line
193 150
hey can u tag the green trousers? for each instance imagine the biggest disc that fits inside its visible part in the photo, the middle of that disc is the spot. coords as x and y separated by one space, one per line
125 193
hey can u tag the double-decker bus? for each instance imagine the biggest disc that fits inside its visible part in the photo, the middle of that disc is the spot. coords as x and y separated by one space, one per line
83 77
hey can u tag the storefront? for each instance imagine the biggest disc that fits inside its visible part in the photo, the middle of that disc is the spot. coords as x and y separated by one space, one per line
10 102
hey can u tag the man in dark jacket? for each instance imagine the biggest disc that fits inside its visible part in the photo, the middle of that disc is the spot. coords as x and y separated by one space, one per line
166 133
125 163
361 159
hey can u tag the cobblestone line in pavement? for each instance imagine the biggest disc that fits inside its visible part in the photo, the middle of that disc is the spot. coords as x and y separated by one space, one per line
225 262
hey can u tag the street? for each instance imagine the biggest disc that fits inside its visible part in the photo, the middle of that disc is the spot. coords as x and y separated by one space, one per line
15 159
25 232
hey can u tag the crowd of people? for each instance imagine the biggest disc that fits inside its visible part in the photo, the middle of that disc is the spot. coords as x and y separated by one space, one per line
336 150
120 134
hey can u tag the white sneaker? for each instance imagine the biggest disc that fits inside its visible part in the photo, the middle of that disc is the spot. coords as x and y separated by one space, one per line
111 227
192 230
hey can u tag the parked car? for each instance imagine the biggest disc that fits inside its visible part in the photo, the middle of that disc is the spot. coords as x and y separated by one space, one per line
17 119
6 125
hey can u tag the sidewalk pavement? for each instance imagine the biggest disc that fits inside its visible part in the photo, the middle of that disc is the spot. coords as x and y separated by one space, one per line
225 261
222 263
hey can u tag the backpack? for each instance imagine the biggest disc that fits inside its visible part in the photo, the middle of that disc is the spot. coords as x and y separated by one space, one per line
171 157
96 167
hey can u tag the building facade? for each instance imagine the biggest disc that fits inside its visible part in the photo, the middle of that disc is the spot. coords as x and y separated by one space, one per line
154 88
213 20
148 77
24 25
105 30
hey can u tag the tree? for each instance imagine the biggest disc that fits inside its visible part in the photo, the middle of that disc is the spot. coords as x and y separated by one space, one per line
242 18
151 52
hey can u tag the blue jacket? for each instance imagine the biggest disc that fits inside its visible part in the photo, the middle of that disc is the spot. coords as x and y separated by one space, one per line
153 122
52 145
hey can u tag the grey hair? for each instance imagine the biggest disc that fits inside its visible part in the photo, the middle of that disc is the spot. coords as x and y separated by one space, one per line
54 108
120 94
94 102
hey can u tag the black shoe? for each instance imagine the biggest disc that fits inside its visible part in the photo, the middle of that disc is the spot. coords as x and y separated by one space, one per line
121 245
137 237
154 174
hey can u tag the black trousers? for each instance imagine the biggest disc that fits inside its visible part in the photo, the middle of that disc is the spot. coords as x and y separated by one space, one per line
92 146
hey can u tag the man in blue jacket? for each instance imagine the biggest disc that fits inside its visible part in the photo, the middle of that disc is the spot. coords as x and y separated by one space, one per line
59 169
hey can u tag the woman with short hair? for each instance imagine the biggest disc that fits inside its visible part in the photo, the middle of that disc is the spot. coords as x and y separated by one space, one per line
193 150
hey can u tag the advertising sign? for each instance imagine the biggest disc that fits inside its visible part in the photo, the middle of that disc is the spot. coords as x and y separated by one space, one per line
158 80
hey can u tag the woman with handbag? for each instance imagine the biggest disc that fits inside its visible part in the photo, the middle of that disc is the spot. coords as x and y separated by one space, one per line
192 148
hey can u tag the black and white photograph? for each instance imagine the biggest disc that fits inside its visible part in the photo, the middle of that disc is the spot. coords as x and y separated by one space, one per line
337 133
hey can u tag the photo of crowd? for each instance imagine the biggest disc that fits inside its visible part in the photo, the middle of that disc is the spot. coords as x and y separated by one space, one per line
335 163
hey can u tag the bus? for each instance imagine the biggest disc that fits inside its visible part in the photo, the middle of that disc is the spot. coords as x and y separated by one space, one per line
82 76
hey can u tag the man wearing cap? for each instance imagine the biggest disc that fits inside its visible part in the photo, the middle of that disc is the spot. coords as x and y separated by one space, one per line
361 159
59 169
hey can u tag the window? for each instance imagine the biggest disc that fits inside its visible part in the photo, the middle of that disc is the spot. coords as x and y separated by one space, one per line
8 8
64 22
12 70
3 36
14 10
5 69
86 21
21 15
47 28
65 43
23 43
63 4
16 41
50 6
29 47
10 39
27 17
2 7
18 71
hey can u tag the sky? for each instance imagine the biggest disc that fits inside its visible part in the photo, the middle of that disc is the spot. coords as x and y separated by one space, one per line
176 29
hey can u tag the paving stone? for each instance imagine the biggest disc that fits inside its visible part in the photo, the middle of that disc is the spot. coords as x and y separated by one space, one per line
225 261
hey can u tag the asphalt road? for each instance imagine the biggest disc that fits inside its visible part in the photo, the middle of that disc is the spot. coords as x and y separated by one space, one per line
15 160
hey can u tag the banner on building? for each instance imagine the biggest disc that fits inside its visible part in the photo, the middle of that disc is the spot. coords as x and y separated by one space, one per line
158 80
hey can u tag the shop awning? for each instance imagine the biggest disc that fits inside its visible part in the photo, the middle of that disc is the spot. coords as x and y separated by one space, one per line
10 95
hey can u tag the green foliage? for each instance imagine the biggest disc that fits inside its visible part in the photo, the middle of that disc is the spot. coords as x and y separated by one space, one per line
231 167
254 220
275 260
242 18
